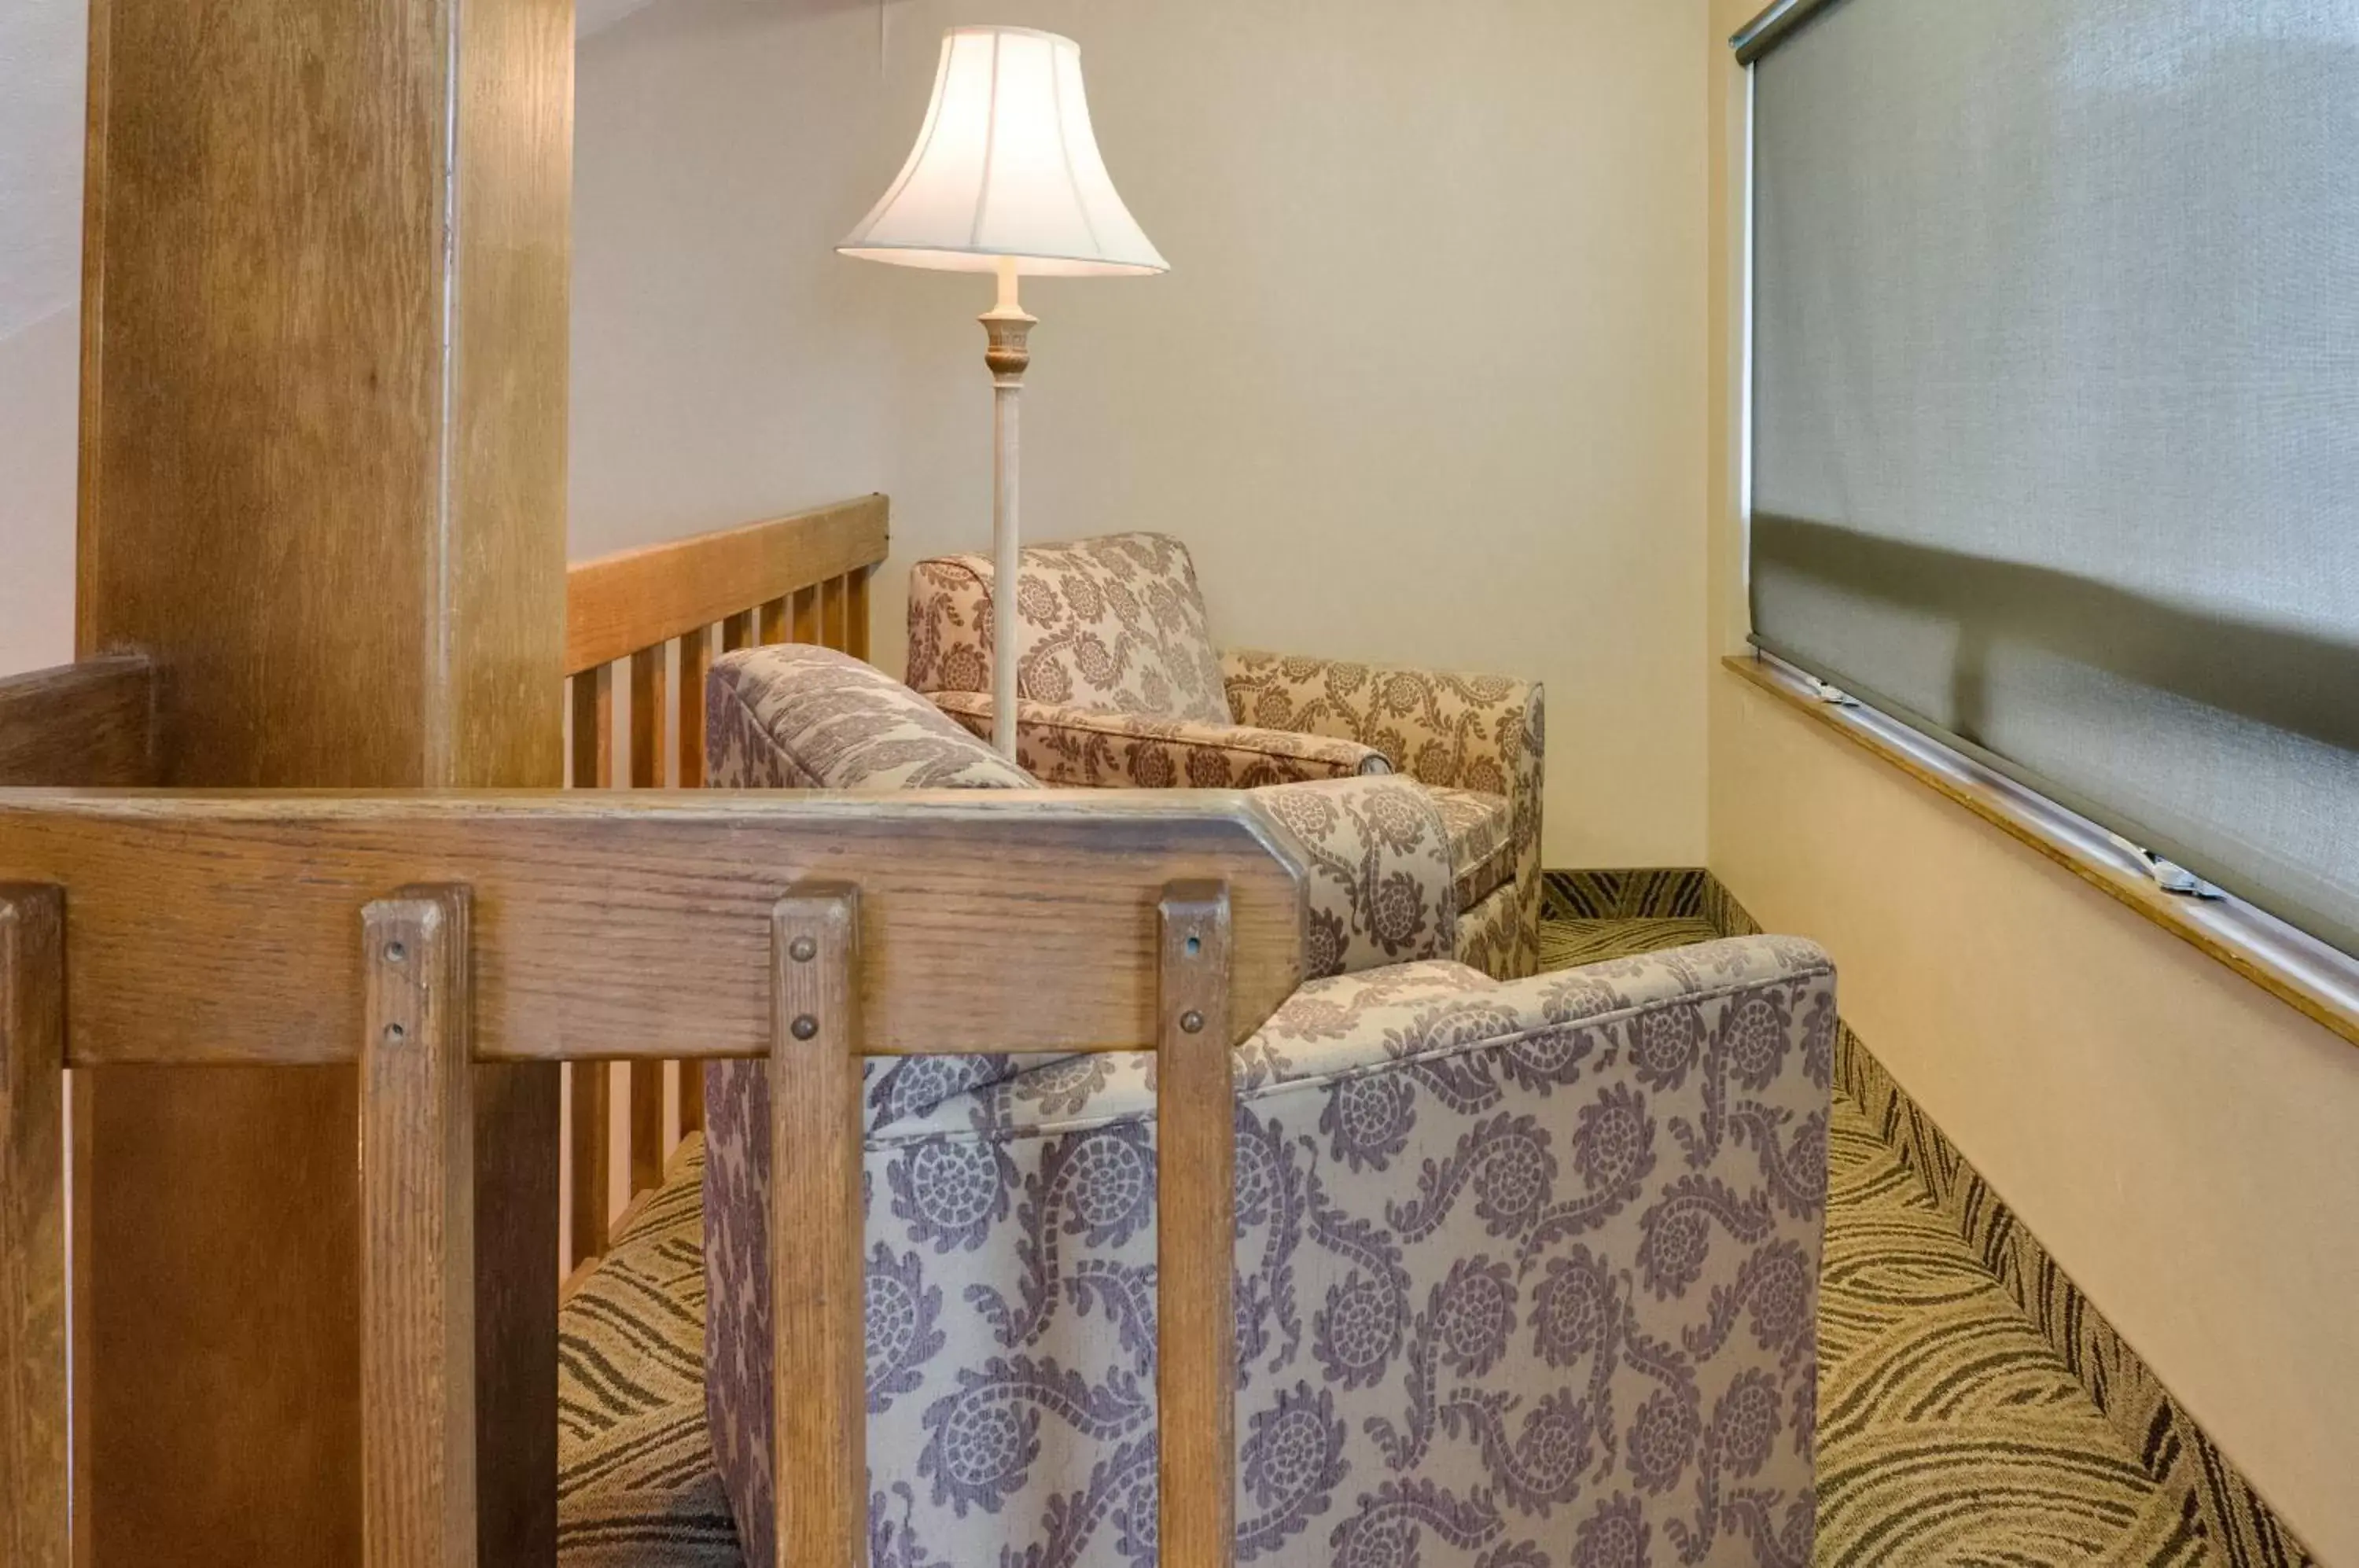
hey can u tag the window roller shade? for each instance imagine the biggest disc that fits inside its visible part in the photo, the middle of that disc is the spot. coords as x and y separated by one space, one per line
2055 443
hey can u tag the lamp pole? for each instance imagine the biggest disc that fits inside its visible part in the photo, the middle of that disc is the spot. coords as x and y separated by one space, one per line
1008 329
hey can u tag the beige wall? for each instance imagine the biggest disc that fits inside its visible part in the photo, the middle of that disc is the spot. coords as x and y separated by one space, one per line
41 74
2182 1143
39 366
1426 382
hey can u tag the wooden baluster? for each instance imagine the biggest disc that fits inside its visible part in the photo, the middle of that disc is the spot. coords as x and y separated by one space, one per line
1195 1228
591 1141
833 617
807 621
695 662
819 1443
594 728
774 622
737 632
644 1114
647 1119
35 1526
856 613
418 1235
647 718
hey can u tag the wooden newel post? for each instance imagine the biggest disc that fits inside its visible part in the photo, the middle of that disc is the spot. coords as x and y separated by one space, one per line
819 1446
1196 1231
35 1529
418 1235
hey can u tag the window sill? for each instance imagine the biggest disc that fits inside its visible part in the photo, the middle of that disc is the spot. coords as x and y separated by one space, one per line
2320 981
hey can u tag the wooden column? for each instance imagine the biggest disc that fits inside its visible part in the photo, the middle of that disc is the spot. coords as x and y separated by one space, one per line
324 490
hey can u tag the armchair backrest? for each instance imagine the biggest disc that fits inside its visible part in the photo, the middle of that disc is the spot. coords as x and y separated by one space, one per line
1114 624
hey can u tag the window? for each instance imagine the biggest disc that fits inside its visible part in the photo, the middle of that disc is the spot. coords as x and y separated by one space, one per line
2056 405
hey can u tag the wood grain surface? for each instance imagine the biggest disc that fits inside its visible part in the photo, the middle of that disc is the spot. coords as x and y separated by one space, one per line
324 456
34 1460
417 1246
636 924
1195 1111
87 724
816 1275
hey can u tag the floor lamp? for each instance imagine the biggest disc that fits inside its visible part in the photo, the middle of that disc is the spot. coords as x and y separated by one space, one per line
1005 178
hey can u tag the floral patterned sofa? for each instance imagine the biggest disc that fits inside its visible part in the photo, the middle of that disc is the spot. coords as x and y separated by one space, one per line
1527 1272
1119 683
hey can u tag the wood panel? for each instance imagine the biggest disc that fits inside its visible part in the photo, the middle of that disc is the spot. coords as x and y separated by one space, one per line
620 603
34 1476
1195 1232
322 489
417 1246
818 1367
90 724
2318 980
635 924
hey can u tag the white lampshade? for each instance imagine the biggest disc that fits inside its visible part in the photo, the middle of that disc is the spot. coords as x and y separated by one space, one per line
1006 166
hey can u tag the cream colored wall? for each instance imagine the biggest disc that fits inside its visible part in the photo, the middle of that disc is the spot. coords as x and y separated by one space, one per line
1426 382
2182 1143
41 73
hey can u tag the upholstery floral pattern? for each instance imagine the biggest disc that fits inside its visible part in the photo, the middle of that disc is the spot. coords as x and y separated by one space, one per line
793 716
1525 1278
1480 732
1086 749
1114 624
1376 860
1482 841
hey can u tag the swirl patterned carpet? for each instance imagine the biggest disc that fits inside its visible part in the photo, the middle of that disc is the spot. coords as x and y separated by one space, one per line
1950 1431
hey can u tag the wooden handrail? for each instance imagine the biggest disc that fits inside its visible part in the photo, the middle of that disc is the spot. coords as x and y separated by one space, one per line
630 924
618 604
91 724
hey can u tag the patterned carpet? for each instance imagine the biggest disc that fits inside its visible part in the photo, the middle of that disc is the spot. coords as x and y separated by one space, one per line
1950 1431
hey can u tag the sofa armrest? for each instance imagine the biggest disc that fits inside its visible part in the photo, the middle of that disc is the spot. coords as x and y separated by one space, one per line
1454 732
1084 747
1377 873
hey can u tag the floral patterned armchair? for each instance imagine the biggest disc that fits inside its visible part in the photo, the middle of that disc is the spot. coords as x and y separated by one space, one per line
1527 1271
1119 684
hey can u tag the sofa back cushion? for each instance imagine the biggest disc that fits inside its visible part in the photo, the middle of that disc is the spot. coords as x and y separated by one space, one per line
1112 625
796 717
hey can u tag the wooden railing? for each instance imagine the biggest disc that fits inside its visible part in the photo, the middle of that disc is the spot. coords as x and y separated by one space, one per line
642 626
91 724
284 929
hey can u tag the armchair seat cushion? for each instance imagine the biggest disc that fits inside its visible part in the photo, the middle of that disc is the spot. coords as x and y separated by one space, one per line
1482 841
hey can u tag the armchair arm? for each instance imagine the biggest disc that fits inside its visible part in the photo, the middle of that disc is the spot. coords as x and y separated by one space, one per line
1454 732
1086 747
1376 872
